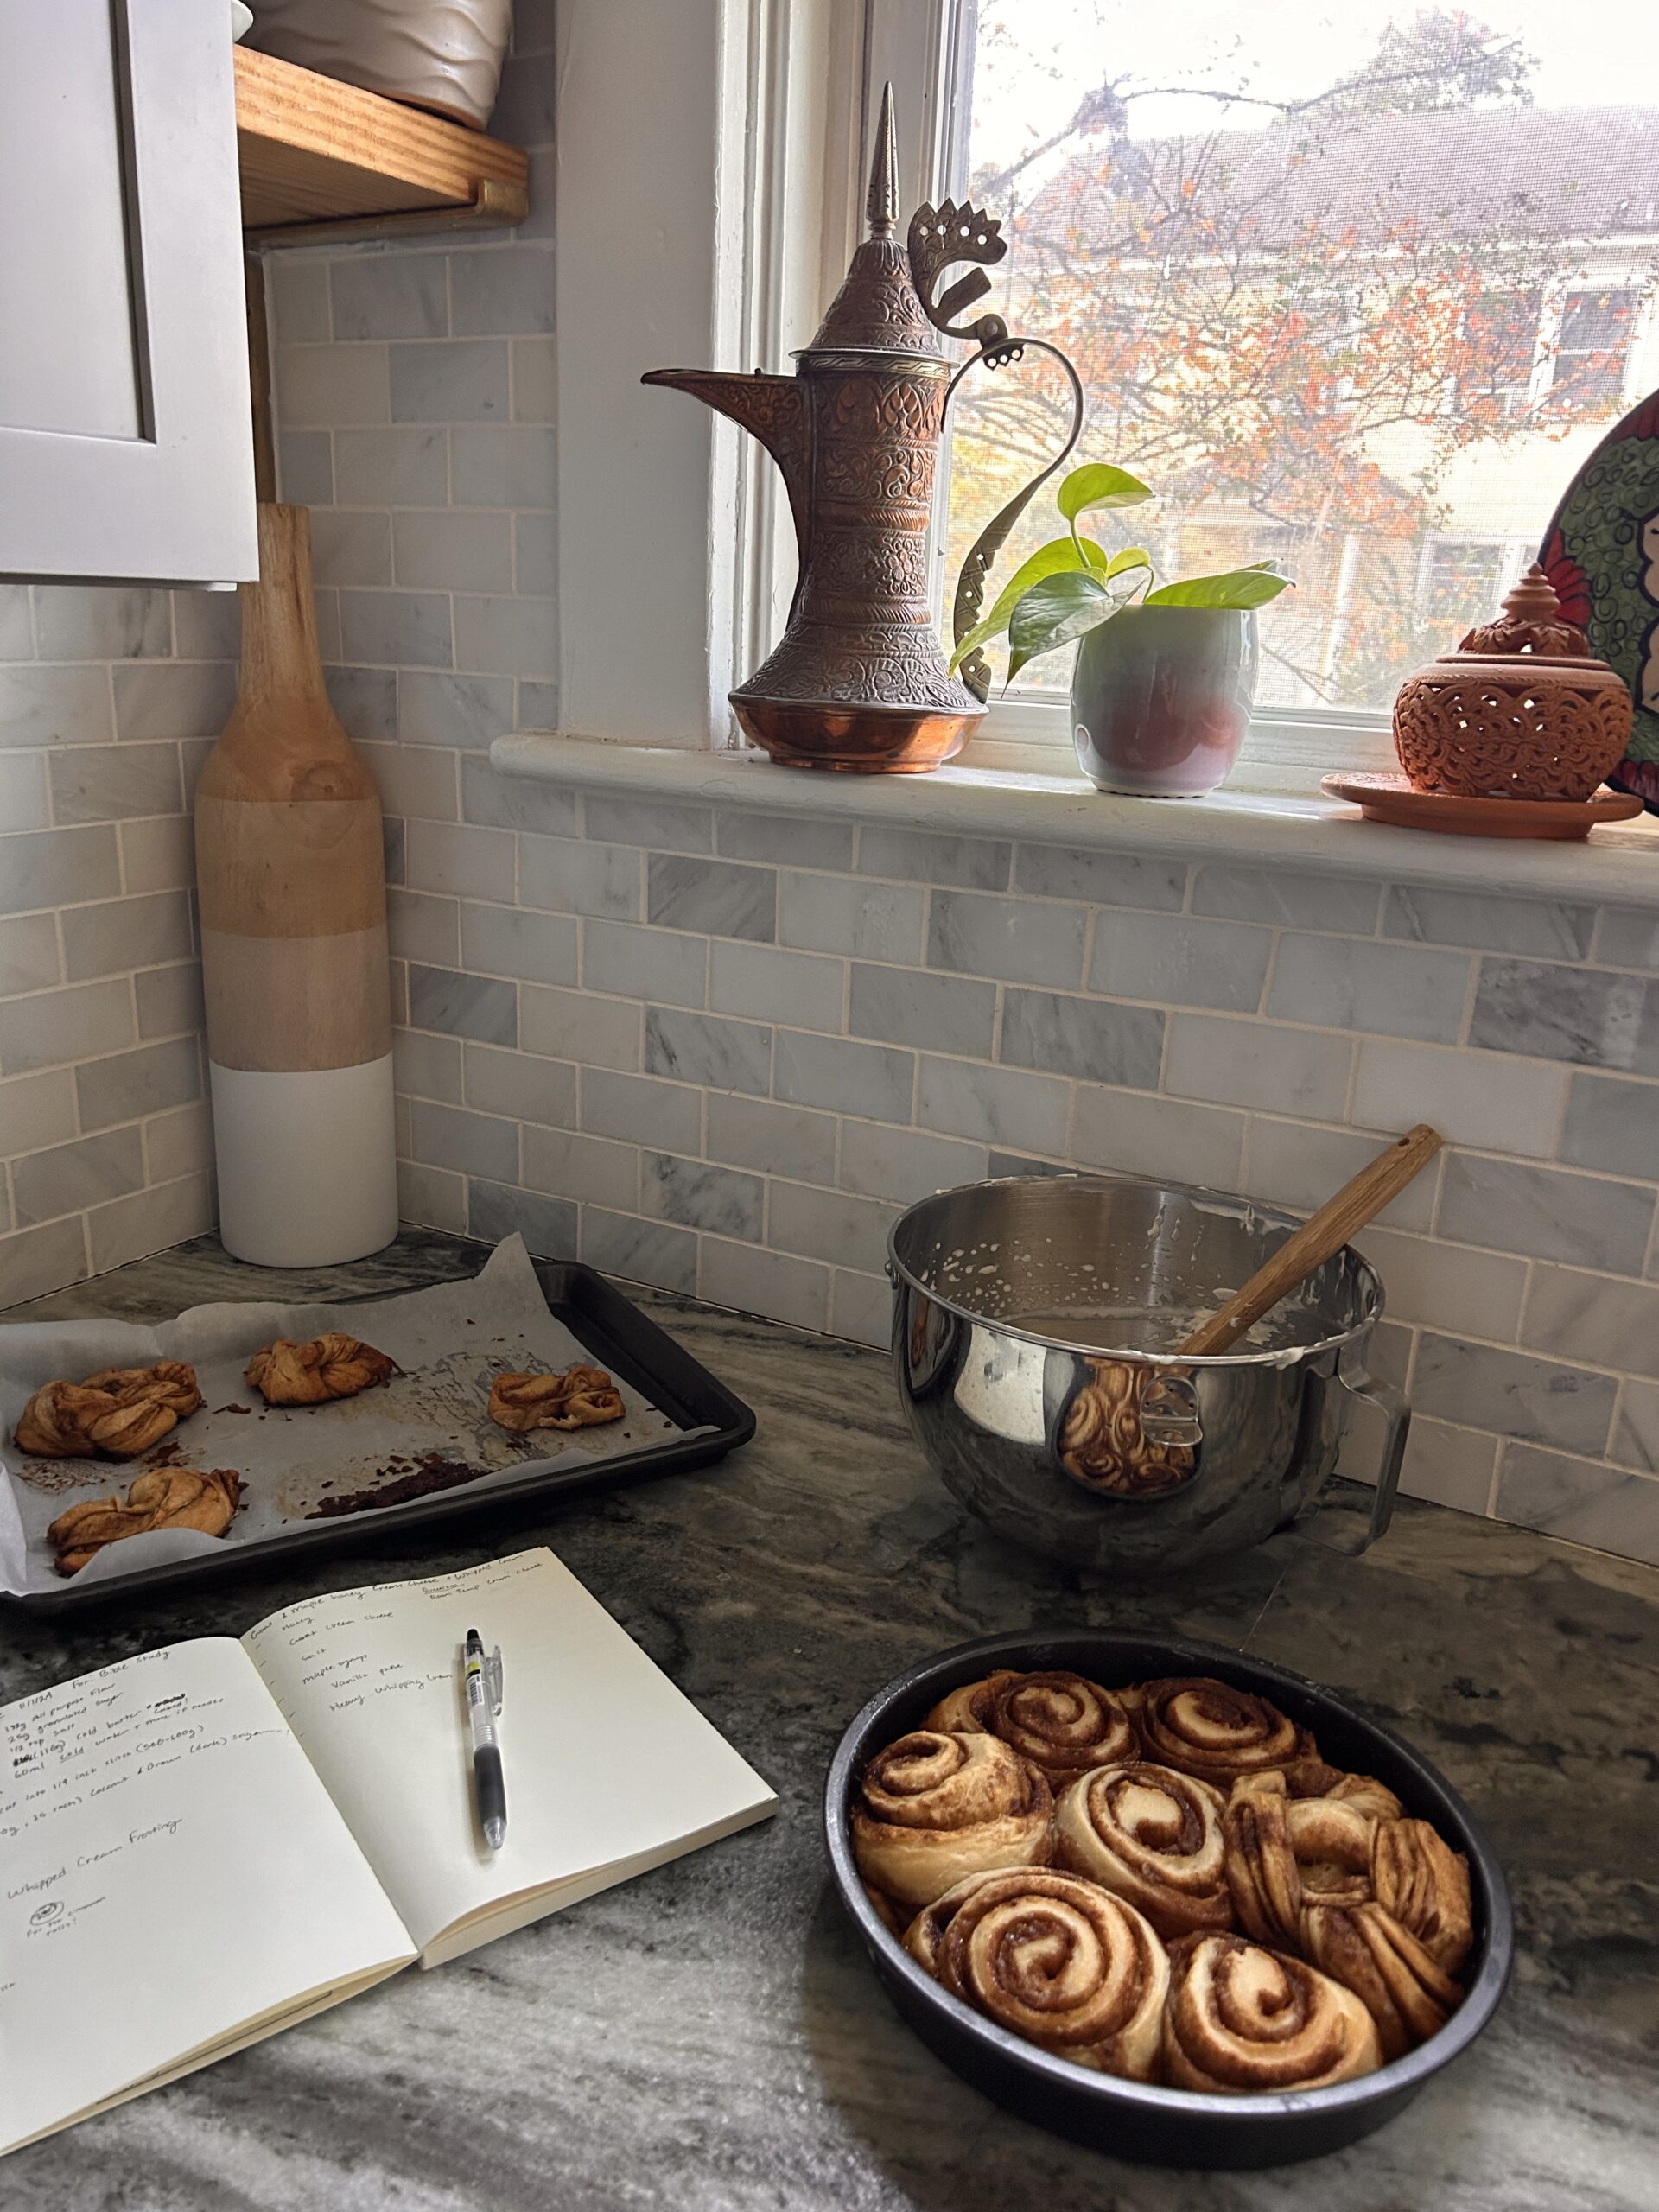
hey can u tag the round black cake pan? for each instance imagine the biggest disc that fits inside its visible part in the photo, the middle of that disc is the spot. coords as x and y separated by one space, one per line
1132 2119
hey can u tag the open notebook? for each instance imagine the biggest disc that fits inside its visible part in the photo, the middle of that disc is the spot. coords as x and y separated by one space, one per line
203 1845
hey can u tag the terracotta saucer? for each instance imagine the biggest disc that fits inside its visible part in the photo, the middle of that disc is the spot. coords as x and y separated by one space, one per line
1391 799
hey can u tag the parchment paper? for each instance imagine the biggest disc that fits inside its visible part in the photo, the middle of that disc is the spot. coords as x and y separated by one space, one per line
449 1341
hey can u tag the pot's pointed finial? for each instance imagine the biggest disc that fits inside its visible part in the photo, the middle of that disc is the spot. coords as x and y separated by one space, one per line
877 309
881 205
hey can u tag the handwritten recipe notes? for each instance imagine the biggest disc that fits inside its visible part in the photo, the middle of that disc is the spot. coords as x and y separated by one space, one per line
206 1844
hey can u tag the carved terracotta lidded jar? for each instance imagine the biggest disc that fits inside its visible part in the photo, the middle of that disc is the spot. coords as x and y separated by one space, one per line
1521 710
858 680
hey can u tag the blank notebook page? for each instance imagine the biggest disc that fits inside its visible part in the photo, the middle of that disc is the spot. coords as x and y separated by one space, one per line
607 1766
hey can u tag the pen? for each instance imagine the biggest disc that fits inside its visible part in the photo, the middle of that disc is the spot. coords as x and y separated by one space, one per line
483 1679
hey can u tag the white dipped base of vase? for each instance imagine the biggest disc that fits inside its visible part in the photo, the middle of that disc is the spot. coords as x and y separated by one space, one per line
307 1174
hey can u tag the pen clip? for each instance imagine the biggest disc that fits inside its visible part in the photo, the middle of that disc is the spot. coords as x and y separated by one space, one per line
493 1679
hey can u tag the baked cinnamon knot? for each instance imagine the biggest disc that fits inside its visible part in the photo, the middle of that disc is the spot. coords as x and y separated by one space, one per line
1202 1726
1331 1838
163 1497
1314 1778
1285 1853
1424 1883
580 1397
1056 1959
1262 1873
1365 1949
116 1413
1153 1838
57 1423
1243 2019
933 1809
1062 1722
331 1366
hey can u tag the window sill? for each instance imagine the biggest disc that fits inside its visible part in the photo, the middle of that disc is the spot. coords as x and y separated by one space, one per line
1281 821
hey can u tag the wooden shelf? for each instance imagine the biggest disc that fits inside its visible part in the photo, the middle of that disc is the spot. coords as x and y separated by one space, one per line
320 160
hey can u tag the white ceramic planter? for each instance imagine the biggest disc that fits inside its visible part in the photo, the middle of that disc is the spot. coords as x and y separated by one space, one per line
442 55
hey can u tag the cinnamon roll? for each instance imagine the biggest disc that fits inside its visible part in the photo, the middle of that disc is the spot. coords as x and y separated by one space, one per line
1365 1949
934 1808
969 1708
1241 2019
1054 1959
1101 1442
1424 1883
1153 1838
331 1366
1202 1726
1062 1722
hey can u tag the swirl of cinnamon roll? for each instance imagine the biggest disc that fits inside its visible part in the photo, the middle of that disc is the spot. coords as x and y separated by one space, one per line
1202 1726
1284 1852
1365 1949
968 1709
934 1808
1062 1723
1054 1959
1153 1838
1424 1883
1102 1443
1242 2018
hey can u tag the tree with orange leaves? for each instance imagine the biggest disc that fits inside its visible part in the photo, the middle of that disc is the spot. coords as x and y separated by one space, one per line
1290 331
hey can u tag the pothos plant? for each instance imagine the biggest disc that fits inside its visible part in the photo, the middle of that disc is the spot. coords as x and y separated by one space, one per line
1072 585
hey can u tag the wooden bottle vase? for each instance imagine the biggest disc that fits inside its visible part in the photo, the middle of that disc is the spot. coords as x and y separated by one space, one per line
292 884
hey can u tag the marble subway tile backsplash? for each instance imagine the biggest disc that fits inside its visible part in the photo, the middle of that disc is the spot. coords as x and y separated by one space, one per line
106 694
766 1034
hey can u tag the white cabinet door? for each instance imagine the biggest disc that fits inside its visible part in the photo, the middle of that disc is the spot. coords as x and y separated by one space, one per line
126 437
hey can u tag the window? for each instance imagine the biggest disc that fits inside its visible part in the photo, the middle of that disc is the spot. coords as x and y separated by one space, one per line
1496 356
1303 259
1587 370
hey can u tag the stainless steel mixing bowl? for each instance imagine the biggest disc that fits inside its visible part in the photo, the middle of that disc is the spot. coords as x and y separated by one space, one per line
1032 1323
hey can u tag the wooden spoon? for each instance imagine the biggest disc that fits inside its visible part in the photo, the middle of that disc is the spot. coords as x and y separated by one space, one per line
1154 1452
1320 1237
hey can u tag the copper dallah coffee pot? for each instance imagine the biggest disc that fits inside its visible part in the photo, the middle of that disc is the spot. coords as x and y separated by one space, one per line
858 681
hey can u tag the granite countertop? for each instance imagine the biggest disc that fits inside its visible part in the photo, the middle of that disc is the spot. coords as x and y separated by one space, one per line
711 2036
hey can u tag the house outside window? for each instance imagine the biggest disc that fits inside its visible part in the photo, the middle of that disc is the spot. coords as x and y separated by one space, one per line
1358 288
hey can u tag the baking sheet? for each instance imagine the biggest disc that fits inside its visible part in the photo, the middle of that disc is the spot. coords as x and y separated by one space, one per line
450 1340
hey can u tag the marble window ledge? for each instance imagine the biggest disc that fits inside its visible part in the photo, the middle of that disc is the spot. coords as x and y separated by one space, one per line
1618 864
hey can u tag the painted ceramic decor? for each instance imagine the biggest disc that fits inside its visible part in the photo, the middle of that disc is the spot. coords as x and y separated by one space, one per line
1601 552
441 55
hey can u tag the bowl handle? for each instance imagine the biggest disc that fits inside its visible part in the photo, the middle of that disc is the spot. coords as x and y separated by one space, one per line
1390 1405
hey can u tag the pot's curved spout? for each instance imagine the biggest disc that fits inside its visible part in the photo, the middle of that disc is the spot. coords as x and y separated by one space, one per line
773 408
